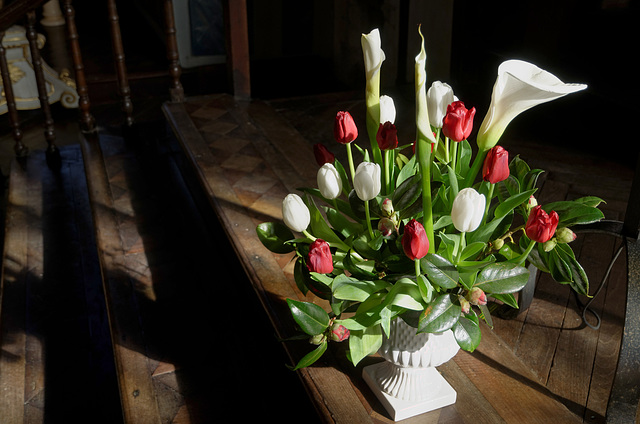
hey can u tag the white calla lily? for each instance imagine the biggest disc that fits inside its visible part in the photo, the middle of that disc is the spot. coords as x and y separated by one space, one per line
422 110
387 110
373 58
373 54
519 86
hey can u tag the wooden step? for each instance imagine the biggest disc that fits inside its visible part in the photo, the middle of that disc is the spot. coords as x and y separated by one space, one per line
248 155
56 359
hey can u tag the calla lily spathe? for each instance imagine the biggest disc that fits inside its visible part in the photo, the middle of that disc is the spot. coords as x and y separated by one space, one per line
422 109
519 86
373 53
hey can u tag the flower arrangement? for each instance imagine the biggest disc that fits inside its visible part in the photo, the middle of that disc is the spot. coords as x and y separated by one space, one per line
429 236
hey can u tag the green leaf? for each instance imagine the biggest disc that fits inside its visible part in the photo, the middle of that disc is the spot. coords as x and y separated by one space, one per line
439 271
405 294
507 298
467 332
574 212
342 224
407 193
274 236
312 356
311 318
472 249
356 271
363 343
502 277
356 290
440 315
509 204
579 280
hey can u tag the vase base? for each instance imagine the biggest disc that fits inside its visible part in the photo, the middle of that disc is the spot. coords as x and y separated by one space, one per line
400 409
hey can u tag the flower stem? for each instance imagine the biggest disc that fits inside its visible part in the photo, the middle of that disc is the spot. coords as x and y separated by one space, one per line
424 159
417 264
463 244
387 177
368 218
352 169
488 203
475 168
308 235
525 255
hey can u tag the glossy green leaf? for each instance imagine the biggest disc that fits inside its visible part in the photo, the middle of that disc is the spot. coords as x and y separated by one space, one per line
274 236
407 193
467 332
574 213
502 277
357 290
311 318
312 356
440 315
439 271
363 343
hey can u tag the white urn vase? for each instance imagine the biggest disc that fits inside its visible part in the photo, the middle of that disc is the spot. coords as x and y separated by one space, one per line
407 382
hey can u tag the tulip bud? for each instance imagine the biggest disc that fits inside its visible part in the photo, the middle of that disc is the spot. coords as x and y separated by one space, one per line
322 154
386 227
320 259
464 303
387 110
548 246
387 207
467 210
414 240
458 122
532 203
476 296
318 339
295 213
496 165
387 136
565 235
344 128
366 181
439 96
329 181
339 333
541 226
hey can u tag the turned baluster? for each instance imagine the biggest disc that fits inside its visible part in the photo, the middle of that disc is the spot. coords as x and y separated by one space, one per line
176 90
87 121
49 129
20 149
119 59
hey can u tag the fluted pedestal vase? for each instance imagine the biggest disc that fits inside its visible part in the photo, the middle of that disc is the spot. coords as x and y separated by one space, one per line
407 382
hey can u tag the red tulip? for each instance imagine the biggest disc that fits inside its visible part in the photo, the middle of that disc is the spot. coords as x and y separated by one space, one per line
414 240
322 154
320 259
540 225
344 128
387 136
496 165
458 122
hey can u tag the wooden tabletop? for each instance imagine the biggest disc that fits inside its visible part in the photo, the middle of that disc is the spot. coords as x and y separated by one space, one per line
248 158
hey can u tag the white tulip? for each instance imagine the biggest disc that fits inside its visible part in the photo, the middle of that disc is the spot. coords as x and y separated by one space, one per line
439 96
329 182
387 110
295 213
367 182
467 210
519 86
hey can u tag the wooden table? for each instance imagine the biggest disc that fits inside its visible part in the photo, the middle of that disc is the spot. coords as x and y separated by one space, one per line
248 158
